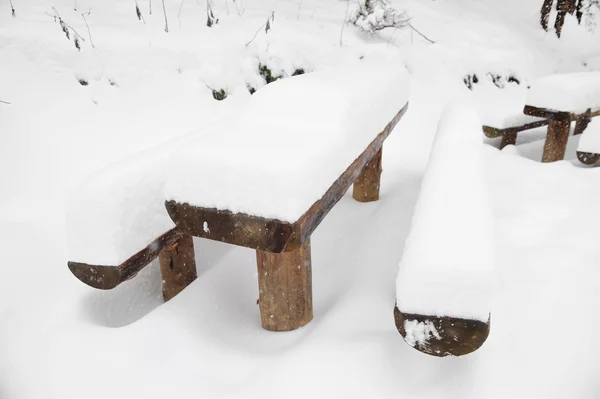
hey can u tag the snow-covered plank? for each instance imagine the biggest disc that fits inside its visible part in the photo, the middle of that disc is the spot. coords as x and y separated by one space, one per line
117 224
569 92
293 141
445 279
588 150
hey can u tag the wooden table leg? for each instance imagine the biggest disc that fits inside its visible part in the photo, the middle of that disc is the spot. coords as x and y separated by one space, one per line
556 141
366 185
285 288
177 266
508 139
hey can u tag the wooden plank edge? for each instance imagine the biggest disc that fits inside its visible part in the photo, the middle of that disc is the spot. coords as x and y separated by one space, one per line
493 132
273 235
108 277
588 158
453 336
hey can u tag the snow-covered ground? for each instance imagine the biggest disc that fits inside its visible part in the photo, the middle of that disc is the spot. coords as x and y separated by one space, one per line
62 339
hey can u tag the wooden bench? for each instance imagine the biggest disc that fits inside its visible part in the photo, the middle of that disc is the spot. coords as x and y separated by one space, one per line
303 141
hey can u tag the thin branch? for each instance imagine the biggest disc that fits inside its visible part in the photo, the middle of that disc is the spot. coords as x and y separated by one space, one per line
299 10
88 27
179 13
5 102
345 21
165 12
420 34
263 26
57 15
12 9
150 7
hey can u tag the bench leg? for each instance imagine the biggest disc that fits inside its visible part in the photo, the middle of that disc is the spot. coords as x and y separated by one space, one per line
366 186
285 288
177 266
508 139
556 141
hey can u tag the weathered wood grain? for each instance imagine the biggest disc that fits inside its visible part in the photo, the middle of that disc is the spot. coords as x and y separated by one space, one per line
272 235
285 288
492 132
177 266
366 185
457 337
108 277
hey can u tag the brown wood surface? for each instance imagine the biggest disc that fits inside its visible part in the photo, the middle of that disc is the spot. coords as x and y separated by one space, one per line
492 132
563 8
177 266
272 235
508 139
366 185
588 158
556 140
458 337
108 277
582 122
285 288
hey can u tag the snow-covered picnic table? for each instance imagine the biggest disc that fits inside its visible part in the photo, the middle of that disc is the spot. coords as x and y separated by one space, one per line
556 101
264 180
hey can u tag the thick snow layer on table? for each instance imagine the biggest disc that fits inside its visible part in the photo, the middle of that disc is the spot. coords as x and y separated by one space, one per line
447 265
293 141
119 210
569 92
590 139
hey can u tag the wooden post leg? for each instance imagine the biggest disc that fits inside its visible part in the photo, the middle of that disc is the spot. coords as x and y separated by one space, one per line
366 186
285 288
508 139
556 141
177 266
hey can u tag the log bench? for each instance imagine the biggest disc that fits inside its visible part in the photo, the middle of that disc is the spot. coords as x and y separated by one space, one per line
268 178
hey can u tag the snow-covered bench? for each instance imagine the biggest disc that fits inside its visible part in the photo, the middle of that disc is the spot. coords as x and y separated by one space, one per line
508 126
117 225
445 280
563 99
267 181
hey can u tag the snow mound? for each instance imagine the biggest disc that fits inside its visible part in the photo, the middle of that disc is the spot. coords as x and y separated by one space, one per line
446 268
293 140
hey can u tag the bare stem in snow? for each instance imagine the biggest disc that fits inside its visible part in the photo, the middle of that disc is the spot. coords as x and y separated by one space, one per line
138 12
65 26
150 7
179 13
239 7
266 26
88 27
299 10
12 9
4 102
420 34
165 12
75 5
344 23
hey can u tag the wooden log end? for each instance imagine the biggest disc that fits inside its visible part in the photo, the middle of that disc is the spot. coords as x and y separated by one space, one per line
100 277
441 336
588 158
